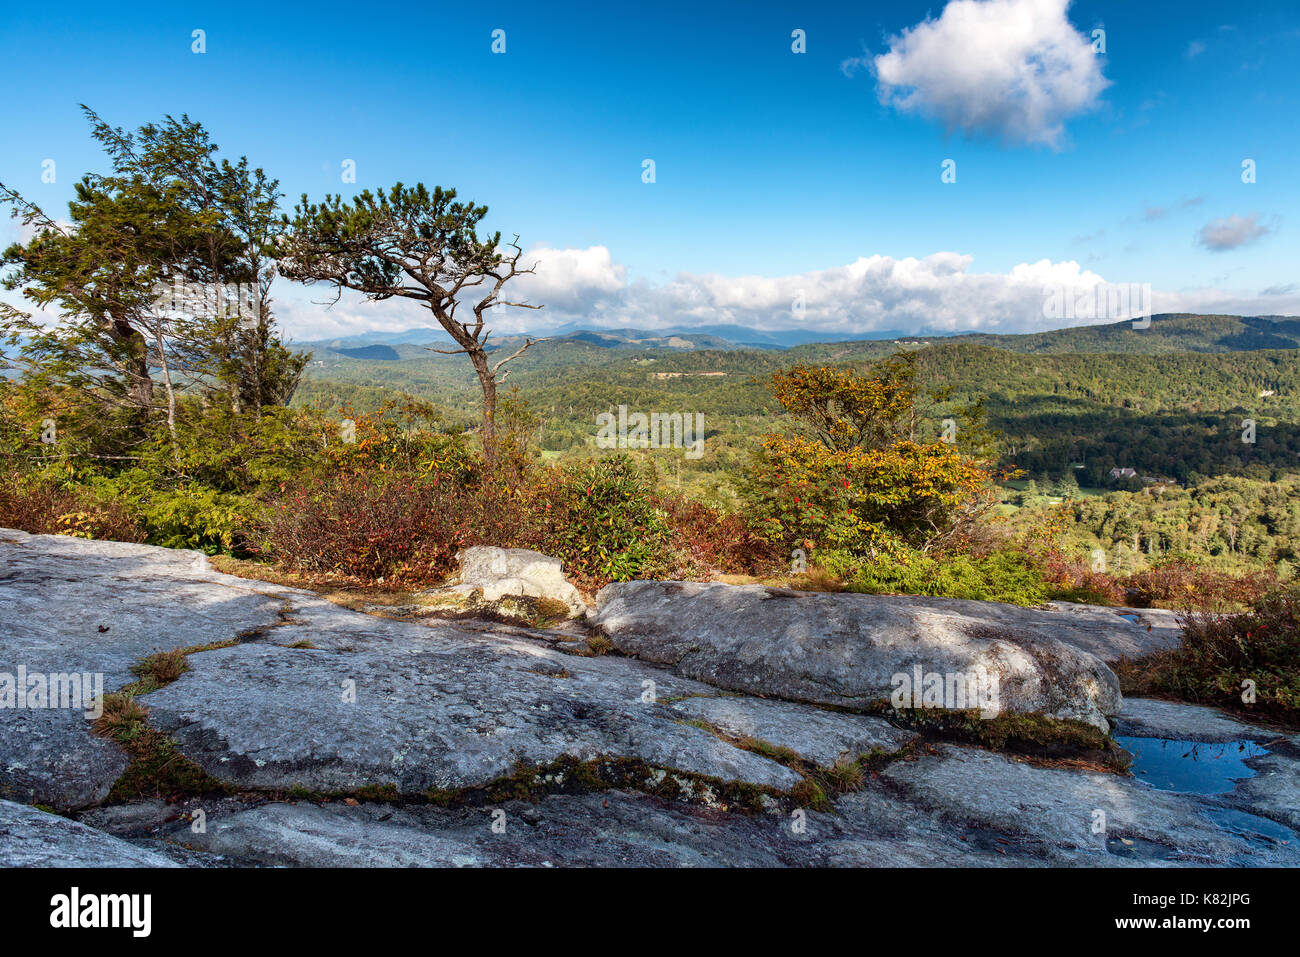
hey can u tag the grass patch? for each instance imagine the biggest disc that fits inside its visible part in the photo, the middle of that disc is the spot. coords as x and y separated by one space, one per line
159 669
1031 735
156 768
599 644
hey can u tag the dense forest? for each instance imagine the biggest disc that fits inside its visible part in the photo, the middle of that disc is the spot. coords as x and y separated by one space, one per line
1174 403
1176 417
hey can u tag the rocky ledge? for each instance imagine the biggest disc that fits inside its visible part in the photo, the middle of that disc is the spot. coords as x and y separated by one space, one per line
848 650
316 735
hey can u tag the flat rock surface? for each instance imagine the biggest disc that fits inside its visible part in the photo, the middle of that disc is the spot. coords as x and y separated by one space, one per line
822 737
1274 791
317 696
1137 633
435 706
1154 718
438 710
30 837
1063 808
946 806
614 828
845 649
55 594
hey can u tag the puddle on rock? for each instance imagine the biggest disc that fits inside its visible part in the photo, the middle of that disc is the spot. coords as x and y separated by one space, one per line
1192 767
1210 769
1257 831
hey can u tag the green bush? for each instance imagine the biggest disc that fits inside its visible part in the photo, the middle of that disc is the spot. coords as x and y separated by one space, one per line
609 527
183 515
999 576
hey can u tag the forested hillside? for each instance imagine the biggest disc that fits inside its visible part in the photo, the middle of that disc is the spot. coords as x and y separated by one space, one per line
1175 416
1174 402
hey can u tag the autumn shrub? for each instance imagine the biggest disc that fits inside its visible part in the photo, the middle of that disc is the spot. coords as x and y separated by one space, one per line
1183 583
1069 578
1247 661
45 506
852 476
405 525
707 540
874 501
400 526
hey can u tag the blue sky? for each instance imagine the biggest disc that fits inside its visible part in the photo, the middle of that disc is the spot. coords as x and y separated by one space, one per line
775 171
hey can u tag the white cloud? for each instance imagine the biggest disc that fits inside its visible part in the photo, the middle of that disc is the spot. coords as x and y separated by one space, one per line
567 282
939 293
1014 69
935 294
570 279
1232 232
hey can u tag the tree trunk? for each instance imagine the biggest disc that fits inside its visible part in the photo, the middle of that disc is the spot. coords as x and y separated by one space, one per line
139 382
171 391
488 382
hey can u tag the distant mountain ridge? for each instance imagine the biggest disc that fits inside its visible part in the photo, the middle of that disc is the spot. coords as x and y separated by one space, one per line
1166 333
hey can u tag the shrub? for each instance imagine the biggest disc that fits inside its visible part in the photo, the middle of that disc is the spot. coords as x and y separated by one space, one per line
1183 583
406 526
401 526
1219 653
195 516
706 540
1072 579
867 502
999 576
853 477
607 526
44 506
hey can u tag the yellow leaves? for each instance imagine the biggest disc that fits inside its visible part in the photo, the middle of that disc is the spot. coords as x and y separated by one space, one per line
76 524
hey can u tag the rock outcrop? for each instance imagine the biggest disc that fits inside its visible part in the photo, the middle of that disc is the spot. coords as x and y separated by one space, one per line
497 573
30 837
350 739
845 650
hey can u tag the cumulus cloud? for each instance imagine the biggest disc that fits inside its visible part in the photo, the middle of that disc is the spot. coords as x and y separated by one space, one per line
932 295
1014 69
1232 232
936 294
570 280
566 283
